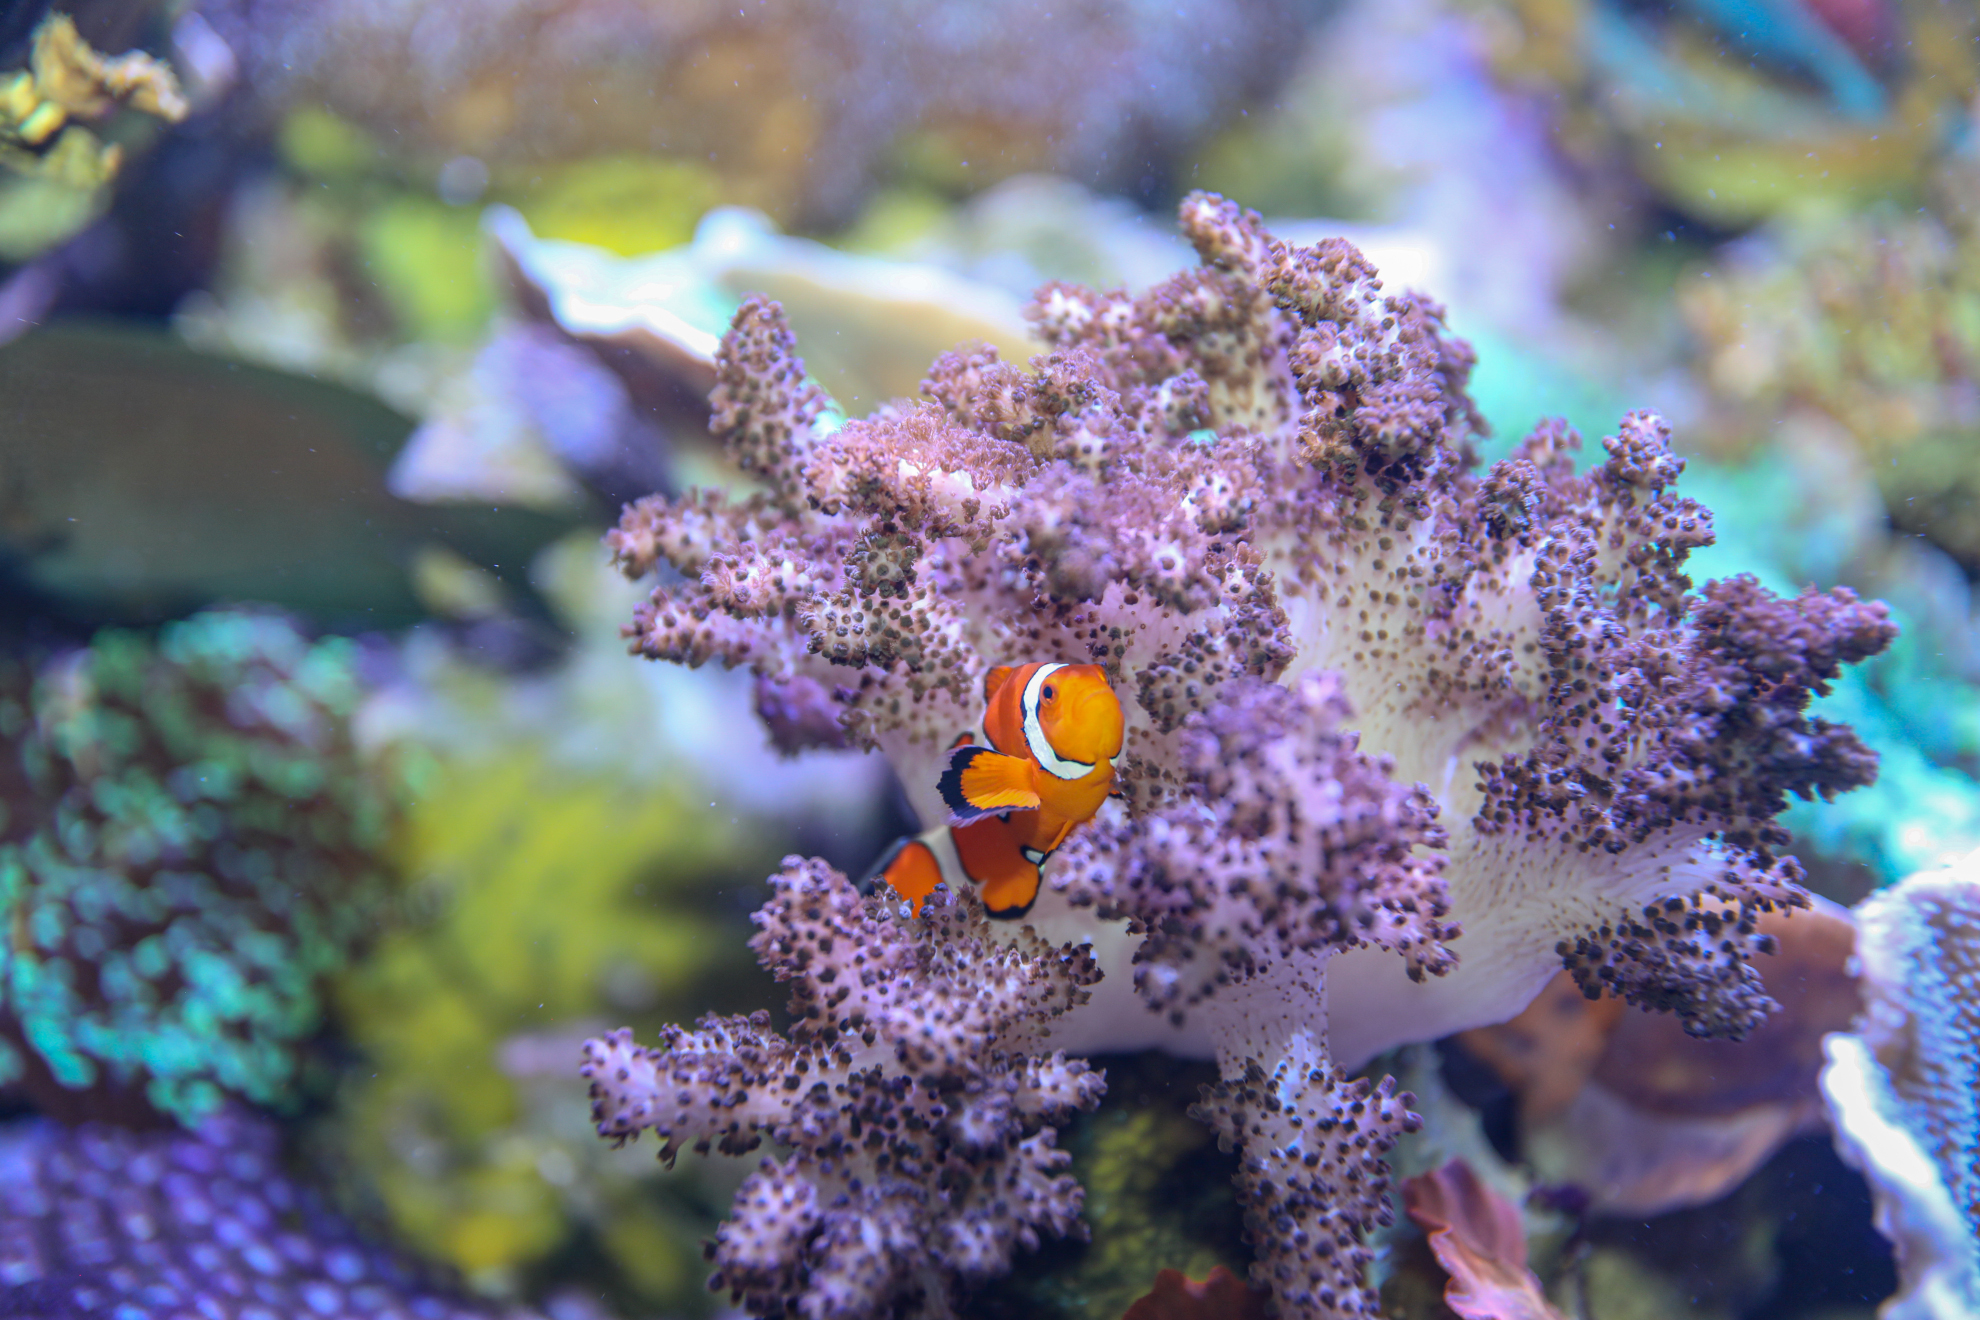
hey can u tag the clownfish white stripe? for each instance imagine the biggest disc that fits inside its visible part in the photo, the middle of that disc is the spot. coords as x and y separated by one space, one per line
1034 732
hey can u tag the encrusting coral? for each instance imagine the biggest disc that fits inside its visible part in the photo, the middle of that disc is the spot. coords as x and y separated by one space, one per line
1256 473
190 845
1904 1089
911 1090
102 1222
66 81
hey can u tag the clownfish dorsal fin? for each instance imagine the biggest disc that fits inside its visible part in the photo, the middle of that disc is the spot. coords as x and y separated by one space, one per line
979 782
996 678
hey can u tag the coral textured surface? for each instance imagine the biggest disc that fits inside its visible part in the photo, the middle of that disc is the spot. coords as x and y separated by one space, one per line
104 1222
190 847
1254 471
796 104
1904 1089
912 1091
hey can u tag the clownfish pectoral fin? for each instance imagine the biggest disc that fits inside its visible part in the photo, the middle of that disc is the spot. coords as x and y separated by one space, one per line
963 739
980 781
1004 871
996 678
910 869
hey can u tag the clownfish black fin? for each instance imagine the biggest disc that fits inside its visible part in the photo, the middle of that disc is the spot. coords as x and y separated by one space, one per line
980 782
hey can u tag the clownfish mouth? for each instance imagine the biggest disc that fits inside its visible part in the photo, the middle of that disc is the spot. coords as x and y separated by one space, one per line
1036 742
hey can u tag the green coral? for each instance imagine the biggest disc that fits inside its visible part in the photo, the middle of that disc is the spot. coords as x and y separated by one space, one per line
1158 1196
190 845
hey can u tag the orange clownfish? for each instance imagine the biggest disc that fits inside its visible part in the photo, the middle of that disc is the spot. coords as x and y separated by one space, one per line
1044 764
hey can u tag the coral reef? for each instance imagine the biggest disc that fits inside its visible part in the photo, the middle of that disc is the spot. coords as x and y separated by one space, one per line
1252 472
1867 318
798 105
191 844
103 1222
1735 111
911 1091
1904 1089
578 853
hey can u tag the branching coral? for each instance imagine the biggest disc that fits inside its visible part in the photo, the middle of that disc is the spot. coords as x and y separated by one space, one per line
189 847
1904 1089
911 1090
1255 471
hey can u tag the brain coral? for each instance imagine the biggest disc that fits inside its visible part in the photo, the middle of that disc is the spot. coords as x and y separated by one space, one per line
188 848
1517 738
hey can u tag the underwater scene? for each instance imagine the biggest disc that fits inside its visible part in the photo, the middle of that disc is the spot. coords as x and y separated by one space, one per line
989 659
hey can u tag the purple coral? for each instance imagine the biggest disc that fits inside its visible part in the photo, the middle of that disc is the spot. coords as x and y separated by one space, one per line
1256 471
911 1090
103 1222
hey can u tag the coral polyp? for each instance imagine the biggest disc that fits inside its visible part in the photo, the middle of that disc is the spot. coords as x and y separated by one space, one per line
1518 739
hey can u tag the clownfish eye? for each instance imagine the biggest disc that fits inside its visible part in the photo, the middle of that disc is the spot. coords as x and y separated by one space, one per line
1049 692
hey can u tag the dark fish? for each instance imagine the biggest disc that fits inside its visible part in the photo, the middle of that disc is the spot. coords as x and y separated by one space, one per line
140 479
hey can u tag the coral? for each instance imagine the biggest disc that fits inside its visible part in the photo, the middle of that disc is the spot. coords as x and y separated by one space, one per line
556 898
1253 472
1734 112
103 1222
191 844
797 106
1870 319
1220 1296
1645 1119
1480 1240
1904 1089
911 1092
567 865
67 81
1159 1199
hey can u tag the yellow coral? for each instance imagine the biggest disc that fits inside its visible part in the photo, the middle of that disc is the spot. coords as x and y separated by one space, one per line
552 896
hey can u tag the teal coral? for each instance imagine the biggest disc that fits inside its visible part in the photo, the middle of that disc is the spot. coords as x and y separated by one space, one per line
189 848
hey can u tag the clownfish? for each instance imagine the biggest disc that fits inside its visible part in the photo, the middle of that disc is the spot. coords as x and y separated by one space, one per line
1041 764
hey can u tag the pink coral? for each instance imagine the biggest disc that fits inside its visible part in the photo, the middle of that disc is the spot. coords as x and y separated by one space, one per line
911 1091
1257 473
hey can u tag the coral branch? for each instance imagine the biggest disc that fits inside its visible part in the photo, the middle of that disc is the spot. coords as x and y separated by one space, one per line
911 1090
1258 473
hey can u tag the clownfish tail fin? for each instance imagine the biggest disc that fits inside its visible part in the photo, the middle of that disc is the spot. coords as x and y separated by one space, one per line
980 782
908 867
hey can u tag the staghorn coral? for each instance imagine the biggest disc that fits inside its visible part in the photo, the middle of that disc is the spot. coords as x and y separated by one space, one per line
1255 471
189 847
103 1222
911 1091
1903 1090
